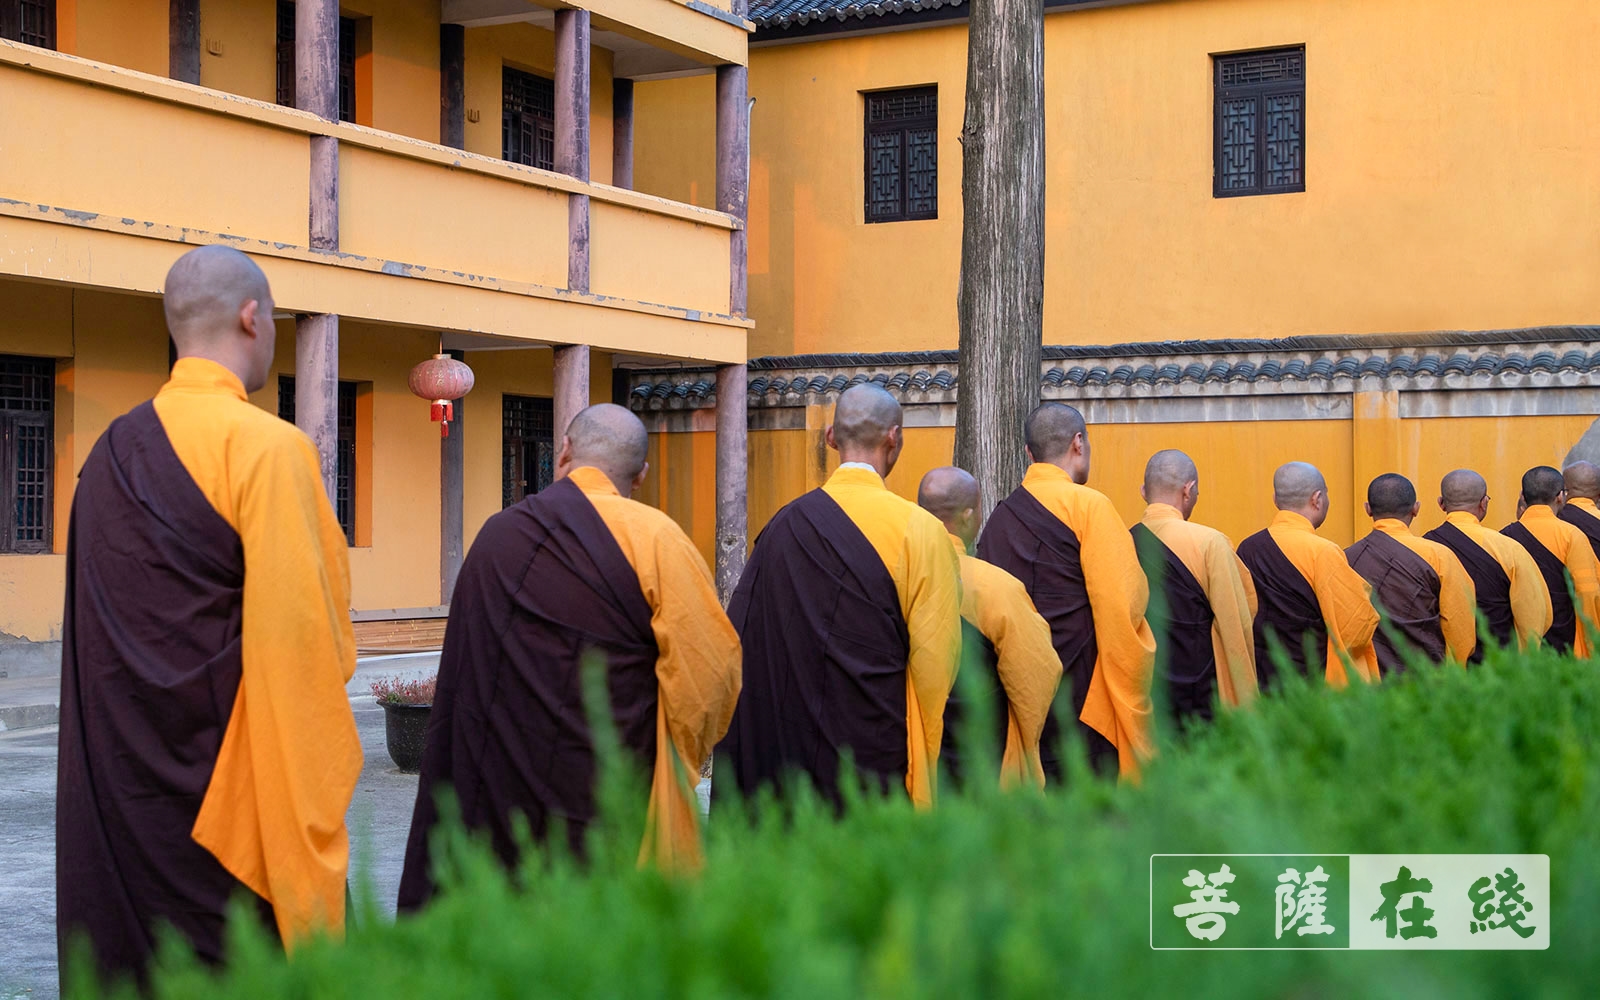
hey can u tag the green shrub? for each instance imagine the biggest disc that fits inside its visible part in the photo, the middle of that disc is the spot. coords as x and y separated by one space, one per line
1031 895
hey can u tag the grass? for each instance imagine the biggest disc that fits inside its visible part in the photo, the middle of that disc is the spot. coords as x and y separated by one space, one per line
1023 894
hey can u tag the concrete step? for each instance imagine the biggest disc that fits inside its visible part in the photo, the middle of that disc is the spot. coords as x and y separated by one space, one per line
26 702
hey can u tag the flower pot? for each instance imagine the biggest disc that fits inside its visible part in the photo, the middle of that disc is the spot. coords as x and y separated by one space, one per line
405 730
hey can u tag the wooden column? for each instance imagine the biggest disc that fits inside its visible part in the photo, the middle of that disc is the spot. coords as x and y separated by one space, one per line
732 465
183 40
453 86
452 491
316 361
572 387
572 134
733 173
622 133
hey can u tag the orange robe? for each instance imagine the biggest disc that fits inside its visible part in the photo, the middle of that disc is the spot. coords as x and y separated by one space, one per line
1530 598
1571 546
1346 605
1458 598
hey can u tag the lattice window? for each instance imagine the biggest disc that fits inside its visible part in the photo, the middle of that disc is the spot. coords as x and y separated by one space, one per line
902 155
347 61
27 453
31 22
529 447
344 477
527 119
1260 123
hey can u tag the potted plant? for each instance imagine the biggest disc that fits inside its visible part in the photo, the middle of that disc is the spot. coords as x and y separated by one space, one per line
407 703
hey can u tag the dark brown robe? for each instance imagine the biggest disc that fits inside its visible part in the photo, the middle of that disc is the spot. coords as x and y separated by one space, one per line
1185 652
1492 585
1026 540
1287 610
825 652
150 667
1584 522
979 671
544 587
1563 630
1405 590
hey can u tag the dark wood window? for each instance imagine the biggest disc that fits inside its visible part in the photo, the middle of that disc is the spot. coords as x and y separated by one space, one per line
347 61
31 22
344 479
530 455
1260 145
27 453
527 119
902 153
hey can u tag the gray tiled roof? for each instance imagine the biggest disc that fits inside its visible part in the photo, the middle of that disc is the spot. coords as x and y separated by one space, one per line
786 13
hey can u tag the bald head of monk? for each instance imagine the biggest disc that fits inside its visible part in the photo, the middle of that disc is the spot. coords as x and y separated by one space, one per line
1465 490
1056 434
1391 495
219 307
1544 485
867 428
1582 480
609 438
951 495
1299 487
1170 477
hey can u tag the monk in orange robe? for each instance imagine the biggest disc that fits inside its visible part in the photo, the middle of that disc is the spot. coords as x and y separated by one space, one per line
1426 599
1562 552
1309 600
576 573
207 748
1005 643
1069 547
1582 480
1206 647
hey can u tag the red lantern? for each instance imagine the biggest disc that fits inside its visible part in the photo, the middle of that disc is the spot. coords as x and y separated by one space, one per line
442 380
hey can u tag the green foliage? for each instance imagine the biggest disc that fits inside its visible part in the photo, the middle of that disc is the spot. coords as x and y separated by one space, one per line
1031 895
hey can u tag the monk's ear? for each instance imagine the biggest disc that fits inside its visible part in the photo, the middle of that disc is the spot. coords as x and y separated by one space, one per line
1416 508
638 481
564 458
829 435
1142 495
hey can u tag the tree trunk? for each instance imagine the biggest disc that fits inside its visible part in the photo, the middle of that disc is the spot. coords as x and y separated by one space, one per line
1001 302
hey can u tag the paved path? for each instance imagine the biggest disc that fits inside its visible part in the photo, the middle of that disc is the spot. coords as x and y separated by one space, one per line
380 816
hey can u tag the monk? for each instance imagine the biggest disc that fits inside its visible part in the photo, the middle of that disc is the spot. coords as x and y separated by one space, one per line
1510 592
1422 592
1069 547
1561 551
849 611
1582 480
1206 647
576 574
1004 641
207 748
1311 602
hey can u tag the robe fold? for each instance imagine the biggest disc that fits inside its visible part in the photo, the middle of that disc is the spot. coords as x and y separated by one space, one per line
979 667
1563 629
1580 512
1184 652
1289 611
825 652
1405 590
1491 584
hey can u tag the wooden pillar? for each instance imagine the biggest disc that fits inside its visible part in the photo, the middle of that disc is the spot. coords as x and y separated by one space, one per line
452 498
572 134
316 361
733 173
453 86
316 388
732 465
183 40
571 388
622 133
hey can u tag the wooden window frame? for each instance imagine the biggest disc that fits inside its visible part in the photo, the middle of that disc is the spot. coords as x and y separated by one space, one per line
903 127
11 21
516 111
536 415
348 476
15 414
1225 91
348 28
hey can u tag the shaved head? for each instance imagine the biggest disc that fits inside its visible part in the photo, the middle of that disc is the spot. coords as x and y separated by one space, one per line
947 491
1167 473
864 416
1542 485
612 440
219 307
1582 479
1293 485
1050 429
1462 489
1391 495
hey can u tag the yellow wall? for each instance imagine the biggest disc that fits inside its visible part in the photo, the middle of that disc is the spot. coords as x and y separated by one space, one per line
1450 171
130 33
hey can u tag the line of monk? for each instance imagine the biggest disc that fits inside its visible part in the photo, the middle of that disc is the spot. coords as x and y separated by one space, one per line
208 751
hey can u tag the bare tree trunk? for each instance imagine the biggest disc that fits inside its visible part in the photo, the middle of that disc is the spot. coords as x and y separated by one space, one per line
1001 302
